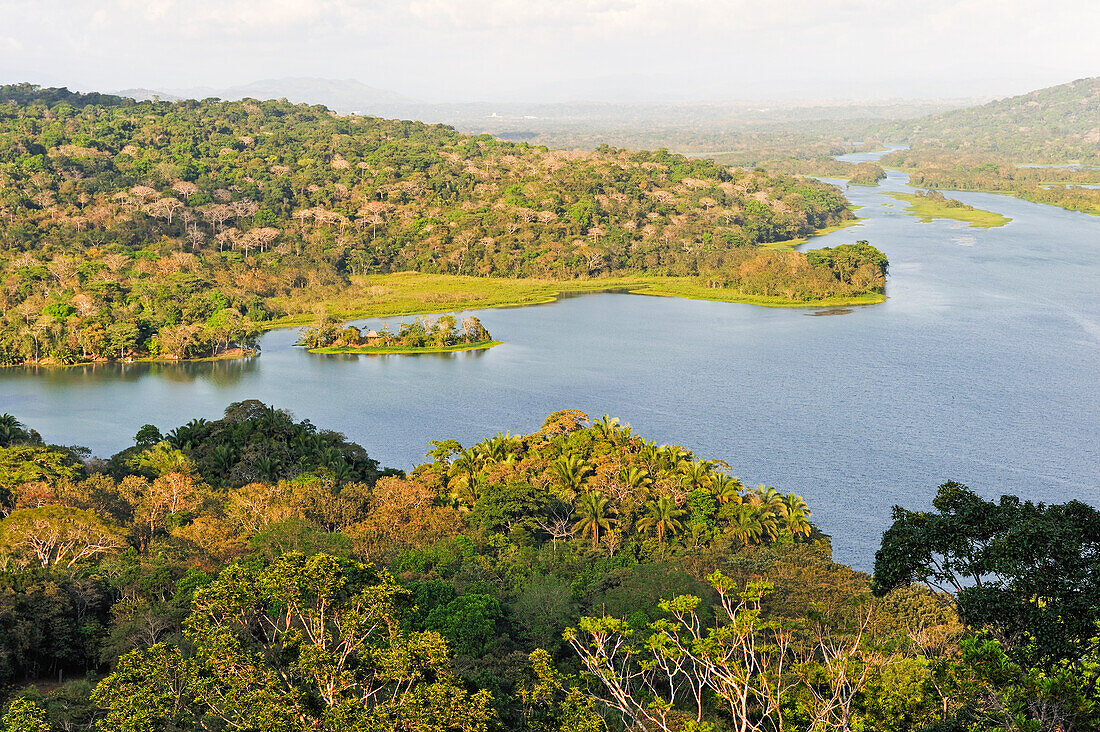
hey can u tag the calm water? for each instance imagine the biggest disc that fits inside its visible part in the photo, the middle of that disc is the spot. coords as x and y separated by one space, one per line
982 367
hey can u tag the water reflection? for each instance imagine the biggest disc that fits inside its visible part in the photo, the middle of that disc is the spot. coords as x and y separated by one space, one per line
980 367
220 371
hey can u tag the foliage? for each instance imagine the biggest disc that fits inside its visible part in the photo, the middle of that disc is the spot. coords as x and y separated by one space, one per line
25 716
438 599
179 230
422 333
305 643
1029 571
254 442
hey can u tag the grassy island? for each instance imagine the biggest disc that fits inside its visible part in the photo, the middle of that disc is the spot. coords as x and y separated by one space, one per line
934 205
411 293
382 350
423 335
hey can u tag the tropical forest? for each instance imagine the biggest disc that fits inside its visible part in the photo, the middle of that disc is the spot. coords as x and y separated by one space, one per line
181 230
549 366
257 572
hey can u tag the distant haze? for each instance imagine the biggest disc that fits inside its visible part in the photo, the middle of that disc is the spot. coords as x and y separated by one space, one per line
560 50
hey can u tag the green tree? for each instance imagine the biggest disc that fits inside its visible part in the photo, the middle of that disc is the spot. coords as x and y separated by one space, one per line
26 716
663 517
572 472
552 702
1029 571
594 515
467 622
306 643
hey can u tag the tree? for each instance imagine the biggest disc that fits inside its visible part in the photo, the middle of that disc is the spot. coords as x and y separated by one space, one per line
57 535
13 431
551 703
26 716
797 514
663 679
307 643
1030 572
572 472
663 516
594 514
746 525
467 622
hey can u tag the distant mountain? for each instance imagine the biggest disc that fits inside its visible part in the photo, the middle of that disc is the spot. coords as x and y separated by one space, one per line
1055 124
339 95
147 95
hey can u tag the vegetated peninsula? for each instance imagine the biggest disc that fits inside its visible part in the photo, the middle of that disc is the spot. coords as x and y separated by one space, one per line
182 229
423 335
931 204
258 572
1042 146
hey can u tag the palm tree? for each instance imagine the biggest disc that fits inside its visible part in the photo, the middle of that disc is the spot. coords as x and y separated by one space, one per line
11 429
798 515
468 465
222 458
498 449
696 474
769 499
572 472
663 516
770 523
605 426
673 455
727 489
635 477
594 514
746 526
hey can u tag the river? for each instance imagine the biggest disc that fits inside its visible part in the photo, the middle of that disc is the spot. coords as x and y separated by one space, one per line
982 367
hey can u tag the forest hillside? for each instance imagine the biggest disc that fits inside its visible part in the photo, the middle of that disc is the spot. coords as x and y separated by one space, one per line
178 229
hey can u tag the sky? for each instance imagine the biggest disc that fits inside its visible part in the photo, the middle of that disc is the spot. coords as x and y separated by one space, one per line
562 50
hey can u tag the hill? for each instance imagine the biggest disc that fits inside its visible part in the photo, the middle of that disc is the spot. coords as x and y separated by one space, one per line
341 95
257 572
1059 124
159 229
147 95
1043 146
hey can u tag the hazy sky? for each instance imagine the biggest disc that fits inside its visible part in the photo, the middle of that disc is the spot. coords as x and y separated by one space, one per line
553 50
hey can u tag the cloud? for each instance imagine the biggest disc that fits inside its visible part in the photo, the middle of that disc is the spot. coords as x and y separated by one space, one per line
493 48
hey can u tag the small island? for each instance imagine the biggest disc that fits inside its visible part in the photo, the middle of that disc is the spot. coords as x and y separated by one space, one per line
445 334
932 204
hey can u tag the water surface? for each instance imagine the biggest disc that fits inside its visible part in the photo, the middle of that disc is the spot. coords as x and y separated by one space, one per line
981 367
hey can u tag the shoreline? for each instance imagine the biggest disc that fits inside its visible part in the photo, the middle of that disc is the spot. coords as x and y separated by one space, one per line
404 350
413 293
232 355
926 210
416 293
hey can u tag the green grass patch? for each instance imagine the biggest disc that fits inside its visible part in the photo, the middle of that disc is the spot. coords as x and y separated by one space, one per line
788 245
413 293
479 346
688 288
927 209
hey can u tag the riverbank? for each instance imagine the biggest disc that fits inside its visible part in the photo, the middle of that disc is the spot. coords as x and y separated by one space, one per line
790 245
928 209
230 355
408 350
414 293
